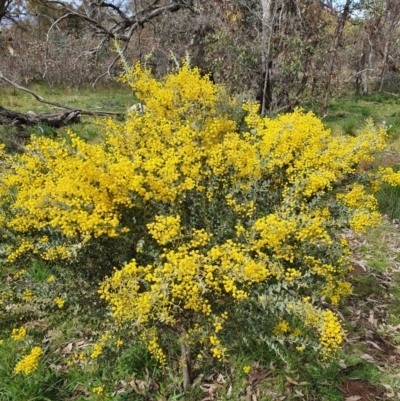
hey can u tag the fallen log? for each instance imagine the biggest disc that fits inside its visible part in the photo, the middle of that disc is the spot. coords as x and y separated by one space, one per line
55 120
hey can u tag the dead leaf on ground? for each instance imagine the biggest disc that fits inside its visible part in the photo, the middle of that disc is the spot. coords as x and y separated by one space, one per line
361 389
256 375
37 323
83 390
197 380
68 349
291 381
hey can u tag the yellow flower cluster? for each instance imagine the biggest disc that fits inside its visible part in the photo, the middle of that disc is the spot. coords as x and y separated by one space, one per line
292 274
5 297
18 274
365 207
246 369
390 176
59 302
98 390
28 295
281 328
97 351
155 350
219 321
150 337
331 333
30 362
18 334
77 358
217 350
165 229
99 346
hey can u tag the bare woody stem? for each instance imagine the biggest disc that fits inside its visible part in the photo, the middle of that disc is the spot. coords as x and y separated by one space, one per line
185 360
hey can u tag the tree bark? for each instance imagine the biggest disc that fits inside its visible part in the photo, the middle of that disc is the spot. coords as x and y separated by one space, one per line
369 69
384 64
267 21
333 53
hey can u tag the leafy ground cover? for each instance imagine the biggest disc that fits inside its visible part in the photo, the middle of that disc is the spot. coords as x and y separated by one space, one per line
68 318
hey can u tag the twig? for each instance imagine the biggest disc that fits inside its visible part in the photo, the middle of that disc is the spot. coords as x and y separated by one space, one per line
47 41
116 58
357 73
63 106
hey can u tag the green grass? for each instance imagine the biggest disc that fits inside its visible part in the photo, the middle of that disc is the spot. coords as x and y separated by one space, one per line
346 114
389 200
113 98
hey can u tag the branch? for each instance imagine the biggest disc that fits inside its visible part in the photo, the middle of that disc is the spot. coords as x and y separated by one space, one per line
150 15
84 17
127 25
112 6
357 73
47 42
393 94
63 106
108 72
122 30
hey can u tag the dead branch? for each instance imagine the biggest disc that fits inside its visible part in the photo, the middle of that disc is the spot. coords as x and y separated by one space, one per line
358 73
55 120
124 27
393 94
110 22
62 106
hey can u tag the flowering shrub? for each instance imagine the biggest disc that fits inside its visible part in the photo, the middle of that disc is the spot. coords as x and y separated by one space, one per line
215 215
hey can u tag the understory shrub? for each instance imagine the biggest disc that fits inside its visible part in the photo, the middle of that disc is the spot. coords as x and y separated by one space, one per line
211 224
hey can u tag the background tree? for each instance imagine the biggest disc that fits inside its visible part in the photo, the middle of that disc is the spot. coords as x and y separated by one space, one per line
5 6
283 52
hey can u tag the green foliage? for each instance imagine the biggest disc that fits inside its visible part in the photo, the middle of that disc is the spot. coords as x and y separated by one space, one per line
12 138
42 129
350 126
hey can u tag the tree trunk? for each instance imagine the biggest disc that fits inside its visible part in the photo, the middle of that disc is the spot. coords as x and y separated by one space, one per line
368 70
267 20
383 71
359 74
333 53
